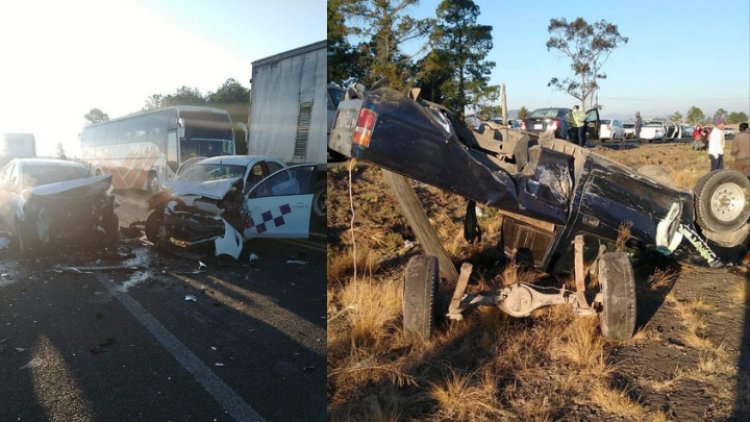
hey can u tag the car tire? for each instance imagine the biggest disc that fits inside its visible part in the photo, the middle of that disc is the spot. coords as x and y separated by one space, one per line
617 283
154 226
721 202
319 200
420 286
111 226
152 183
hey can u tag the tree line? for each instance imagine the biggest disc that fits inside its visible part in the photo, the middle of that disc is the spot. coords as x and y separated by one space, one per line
366 41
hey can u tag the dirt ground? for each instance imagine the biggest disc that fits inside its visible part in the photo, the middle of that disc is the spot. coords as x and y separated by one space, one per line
689 359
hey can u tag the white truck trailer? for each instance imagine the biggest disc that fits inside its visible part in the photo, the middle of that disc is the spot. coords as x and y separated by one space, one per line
288 106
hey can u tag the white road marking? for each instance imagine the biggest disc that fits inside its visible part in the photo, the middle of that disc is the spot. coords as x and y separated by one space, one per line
227 398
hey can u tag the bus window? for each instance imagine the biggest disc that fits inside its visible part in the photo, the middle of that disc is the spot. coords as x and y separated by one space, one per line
110 133
140 128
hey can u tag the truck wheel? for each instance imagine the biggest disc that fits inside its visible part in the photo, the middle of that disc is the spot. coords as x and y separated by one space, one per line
420 285
153 185
155 227
721 203
617 318
319 200
111 226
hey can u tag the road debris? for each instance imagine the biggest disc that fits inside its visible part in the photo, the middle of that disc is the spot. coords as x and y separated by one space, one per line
20 349
253 257
33 363
191 298
296 261
103 346
218 364
91 270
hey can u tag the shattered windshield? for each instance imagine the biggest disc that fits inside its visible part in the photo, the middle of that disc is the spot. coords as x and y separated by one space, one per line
206 172
37 175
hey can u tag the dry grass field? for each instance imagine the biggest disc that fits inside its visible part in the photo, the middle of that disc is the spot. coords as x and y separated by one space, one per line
681 365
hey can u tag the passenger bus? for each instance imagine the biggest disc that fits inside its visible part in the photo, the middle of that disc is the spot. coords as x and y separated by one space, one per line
143 150
16 145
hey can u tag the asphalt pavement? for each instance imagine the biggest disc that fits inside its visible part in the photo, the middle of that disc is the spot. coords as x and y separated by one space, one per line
164 338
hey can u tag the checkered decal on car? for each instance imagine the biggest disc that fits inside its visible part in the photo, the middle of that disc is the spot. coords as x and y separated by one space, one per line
268 218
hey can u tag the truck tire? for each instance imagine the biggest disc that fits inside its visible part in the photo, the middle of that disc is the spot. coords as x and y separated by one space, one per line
111 226
420 285
721 202
617 282
319 200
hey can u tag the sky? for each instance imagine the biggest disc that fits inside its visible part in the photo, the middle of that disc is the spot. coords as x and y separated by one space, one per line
680 53
59 59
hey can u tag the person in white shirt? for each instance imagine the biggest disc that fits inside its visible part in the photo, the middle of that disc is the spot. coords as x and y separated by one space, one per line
716 145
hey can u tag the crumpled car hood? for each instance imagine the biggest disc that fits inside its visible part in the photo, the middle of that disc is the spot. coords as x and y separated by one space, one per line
213 189
71 189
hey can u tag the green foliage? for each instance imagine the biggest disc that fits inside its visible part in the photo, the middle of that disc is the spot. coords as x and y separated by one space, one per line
720 113
695 115
588 46
387 26
456 65
523 112
183 96
230 92
61 151
96 116
343 59
677 116
737 117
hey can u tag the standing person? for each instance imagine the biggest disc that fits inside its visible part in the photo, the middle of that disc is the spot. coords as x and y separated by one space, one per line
638 124
579 126
741 150
716 145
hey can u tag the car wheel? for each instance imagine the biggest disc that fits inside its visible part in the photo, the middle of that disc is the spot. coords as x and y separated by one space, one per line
319 200
153 184
155 230
617 283
111 226
420 286
721 203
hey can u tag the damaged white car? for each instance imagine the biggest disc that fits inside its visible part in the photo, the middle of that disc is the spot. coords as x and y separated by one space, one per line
47 202
224 201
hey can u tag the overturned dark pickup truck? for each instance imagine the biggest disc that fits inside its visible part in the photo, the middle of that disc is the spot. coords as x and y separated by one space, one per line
52 202
562 206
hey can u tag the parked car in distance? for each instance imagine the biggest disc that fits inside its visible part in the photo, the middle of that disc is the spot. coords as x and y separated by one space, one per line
629 129
543 119
729 132
54 201
224 201
612 129
653 130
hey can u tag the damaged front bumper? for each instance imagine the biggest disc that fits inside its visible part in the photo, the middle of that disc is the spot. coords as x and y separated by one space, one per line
189 226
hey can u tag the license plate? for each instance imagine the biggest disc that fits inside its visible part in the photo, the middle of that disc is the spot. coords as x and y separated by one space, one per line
538 127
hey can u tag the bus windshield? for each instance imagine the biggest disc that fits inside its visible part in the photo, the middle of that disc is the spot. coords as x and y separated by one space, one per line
206 148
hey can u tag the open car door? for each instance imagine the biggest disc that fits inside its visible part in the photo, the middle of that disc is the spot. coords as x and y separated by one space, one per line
593 124
280 204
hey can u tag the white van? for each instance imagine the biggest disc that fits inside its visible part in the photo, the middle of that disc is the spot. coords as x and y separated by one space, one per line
17 145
